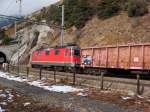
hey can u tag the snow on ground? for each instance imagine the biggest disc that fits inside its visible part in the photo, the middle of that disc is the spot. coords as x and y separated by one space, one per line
2 95
125 97
10 77
41 84
5 96
1 110
3 103
10 98
27 103
82 94
56 88
64 89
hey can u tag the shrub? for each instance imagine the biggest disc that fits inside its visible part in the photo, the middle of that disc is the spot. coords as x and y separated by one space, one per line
81 12
107 8
77 12
42 15
54 14
137 8
6 41
2 34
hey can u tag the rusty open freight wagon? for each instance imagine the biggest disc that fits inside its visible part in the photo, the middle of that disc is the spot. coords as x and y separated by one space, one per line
127 57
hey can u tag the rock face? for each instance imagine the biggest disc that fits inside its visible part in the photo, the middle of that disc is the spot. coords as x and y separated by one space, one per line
117 30
30 39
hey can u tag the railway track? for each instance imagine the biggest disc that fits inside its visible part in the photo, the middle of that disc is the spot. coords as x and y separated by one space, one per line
102 82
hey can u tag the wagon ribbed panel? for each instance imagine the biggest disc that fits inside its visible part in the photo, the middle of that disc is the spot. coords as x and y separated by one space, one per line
124 55
103 57
136 57
112 58
96 57
147 57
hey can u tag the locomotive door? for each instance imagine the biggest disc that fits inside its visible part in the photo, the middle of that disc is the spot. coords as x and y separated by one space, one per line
66 56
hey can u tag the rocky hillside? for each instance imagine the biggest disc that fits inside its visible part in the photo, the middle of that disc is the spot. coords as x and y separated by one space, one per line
31 38
118 29
110 27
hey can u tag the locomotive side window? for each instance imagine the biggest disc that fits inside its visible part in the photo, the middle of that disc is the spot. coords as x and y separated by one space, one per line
47 53
39 53
57 52
77 52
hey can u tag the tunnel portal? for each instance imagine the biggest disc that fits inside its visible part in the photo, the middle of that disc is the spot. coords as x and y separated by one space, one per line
2 58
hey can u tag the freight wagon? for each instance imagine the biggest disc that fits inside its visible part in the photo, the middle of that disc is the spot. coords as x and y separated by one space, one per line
124 57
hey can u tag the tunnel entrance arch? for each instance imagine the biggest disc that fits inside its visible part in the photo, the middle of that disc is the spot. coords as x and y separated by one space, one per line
3 58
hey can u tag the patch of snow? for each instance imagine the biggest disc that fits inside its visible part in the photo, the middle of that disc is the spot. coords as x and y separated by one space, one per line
1 110
10 97
148 100
55 88
64 88
2 95
106 91
18 95
19 79
125 97
139 96
82 94
27 103
39 83
4 75
3 103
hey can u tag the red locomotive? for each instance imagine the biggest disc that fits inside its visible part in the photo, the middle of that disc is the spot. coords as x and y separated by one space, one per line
67 56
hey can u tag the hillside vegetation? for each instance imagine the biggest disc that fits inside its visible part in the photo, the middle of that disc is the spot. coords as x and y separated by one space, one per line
78 12
100 22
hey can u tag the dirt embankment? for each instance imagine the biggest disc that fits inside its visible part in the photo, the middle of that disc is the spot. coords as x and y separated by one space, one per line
120 29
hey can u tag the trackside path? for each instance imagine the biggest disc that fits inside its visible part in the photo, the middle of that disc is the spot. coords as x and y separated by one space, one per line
72 102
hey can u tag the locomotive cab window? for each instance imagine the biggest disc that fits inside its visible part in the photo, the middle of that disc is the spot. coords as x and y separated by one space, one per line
47 53
57 52
39 53
77 52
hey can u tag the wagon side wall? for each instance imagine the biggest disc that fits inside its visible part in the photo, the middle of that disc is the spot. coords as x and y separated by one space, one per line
133 57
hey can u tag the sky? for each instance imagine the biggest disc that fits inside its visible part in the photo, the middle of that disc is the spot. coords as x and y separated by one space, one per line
11 7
